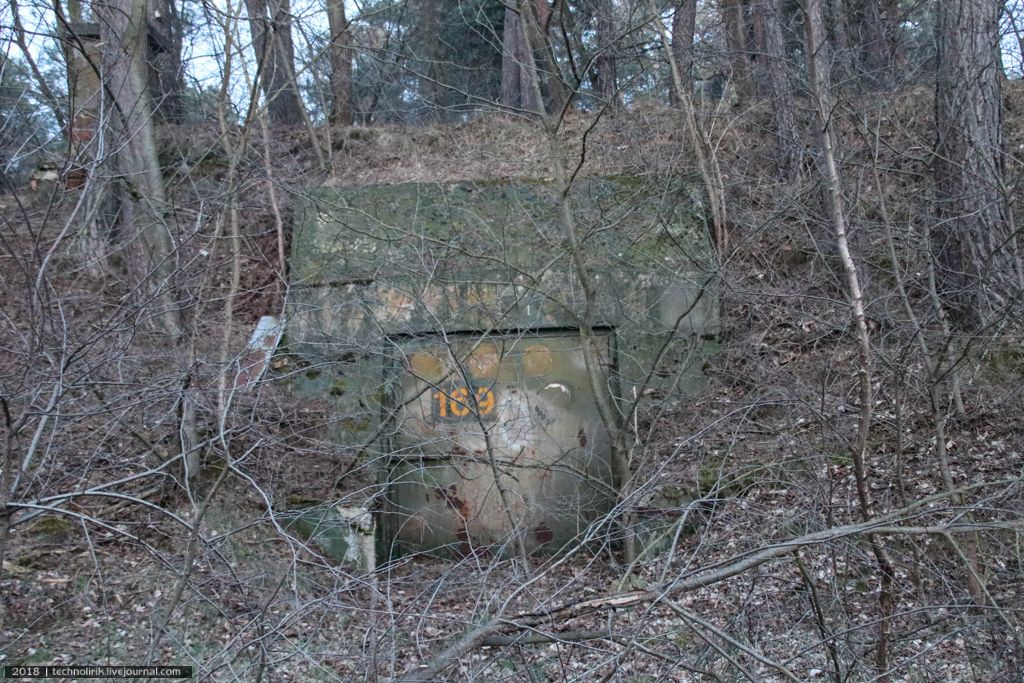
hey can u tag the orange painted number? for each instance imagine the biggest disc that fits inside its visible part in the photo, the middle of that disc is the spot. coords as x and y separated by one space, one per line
459 404
442 403
485 400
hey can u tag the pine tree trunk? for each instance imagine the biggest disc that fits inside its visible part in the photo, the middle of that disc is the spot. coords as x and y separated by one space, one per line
271 26
123 65
341 64
684 23
146 207
510 65
972 226
605 63
877 25
535 17
518 74
430 24
772 67
166 76
871 30
838 20
737 38
893 20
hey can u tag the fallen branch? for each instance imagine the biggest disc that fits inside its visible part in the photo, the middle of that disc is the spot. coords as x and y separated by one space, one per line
540 637
501 630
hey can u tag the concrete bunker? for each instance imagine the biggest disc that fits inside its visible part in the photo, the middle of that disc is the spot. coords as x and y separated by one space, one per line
442 321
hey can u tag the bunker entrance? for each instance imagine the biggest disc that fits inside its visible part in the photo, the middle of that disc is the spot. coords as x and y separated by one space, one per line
408 306
497 442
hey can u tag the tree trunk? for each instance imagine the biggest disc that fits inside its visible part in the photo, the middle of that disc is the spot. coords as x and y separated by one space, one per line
145 210
606 78
871 30
839 21
737 38
972 224
1014 21
772 68
893 21
819 82
430 25
535 18
166 76
510 65
124 68
684 23
341 64
877 24
707 161
518 74
271 26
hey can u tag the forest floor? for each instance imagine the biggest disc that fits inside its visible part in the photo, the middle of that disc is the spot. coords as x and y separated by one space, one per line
766 445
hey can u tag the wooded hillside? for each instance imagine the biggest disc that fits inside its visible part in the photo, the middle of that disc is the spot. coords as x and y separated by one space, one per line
822 483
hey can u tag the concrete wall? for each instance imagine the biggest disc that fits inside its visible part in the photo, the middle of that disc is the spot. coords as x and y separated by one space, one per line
459 265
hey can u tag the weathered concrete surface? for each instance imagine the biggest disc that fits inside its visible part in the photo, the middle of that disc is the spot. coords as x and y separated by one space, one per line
344 533
384 277
414 258
522 451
